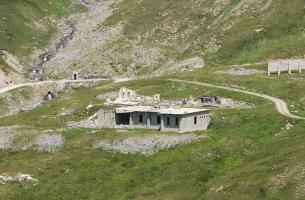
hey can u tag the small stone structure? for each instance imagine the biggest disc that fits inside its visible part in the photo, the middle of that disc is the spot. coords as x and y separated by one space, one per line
148 117
289 65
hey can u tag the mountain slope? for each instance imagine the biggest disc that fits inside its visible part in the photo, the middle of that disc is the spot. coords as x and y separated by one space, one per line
140 37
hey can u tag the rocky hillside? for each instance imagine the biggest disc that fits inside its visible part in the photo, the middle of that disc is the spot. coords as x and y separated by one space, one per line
140 37
26 26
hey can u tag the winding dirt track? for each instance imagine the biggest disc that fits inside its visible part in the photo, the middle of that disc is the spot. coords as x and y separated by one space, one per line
281 106
12 87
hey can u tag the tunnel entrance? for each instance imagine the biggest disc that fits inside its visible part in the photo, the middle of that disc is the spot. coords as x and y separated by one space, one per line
74 76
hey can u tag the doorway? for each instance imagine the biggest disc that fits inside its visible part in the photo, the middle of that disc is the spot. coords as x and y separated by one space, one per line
122 118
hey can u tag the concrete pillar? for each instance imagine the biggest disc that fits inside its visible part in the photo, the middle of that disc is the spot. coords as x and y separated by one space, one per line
289 67
278 69
148 121
162 123
300 67
180 126
130 120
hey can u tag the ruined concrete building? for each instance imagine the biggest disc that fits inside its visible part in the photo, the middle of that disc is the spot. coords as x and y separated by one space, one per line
290 65
209 99
130 97
148 117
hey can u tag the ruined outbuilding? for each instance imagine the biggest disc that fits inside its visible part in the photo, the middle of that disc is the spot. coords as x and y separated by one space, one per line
127 96
162 119
288 65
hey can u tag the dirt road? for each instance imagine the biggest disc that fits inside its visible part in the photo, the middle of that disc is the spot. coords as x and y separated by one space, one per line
12 87
281 105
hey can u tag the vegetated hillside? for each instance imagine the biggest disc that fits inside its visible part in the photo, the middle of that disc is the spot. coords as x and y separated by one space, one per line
223 32
140 37
27 25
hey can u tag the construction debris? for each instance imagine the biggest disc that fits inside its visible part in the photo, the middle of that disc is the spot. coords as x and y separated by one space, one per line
147 145
19 177
127 96
130 97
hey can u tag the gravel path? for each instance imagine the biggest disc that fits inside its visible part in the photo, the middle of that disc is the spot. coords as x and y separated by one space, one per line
281 105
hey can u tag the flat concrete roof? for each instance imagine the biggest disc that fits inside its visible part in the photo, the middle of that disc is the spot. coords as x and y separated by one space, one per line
131 109
181 111
167 111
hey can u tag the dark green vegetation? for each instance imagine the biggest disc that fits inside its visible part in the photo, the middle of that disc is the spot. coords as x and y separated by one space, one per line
245 157
26 25
223 32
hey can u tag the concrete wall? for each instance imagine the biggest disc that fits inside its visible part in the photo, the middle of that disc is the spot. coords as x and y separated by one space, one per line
172 126
149 120
289 65
203 122
106 118
185 122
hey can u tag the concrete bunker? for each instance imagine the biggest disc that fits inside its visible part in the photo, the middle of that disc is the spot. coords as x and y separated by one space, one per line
162 119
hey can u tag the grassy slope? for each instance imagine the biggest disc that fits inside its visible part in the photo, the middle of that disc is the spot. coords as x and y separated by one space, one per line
236 140
27 24
282 27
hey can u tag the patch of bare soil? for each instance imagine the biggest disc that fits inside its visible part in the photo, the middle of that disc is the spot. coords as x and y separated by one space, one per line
14 138
147 145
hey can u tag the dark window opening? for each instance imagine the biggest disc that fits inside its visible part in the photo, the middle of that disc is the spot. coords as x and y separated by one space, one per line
177 121
168 121
122 119
158 120
195 120
74 76
141 118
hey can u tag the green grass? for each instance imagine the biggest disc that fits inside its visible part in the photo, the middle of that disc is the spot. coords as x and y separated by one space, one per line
26 25
187 172
282 25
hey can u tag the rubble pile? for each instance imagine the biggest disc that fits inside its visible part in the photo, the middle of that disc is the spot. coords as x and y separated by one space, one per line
19 177
147 145
46 142
11 138
130 97
242 72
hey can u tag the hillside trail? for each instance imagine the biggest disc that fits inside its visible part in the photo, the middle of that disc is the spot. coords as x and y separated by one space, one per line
16 86
281 105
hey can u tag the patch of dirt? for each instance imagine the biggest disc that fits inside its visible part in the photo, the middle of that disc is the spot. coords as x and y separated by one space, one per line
293 174
147 145
15 138
242 72
12 61
19 177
